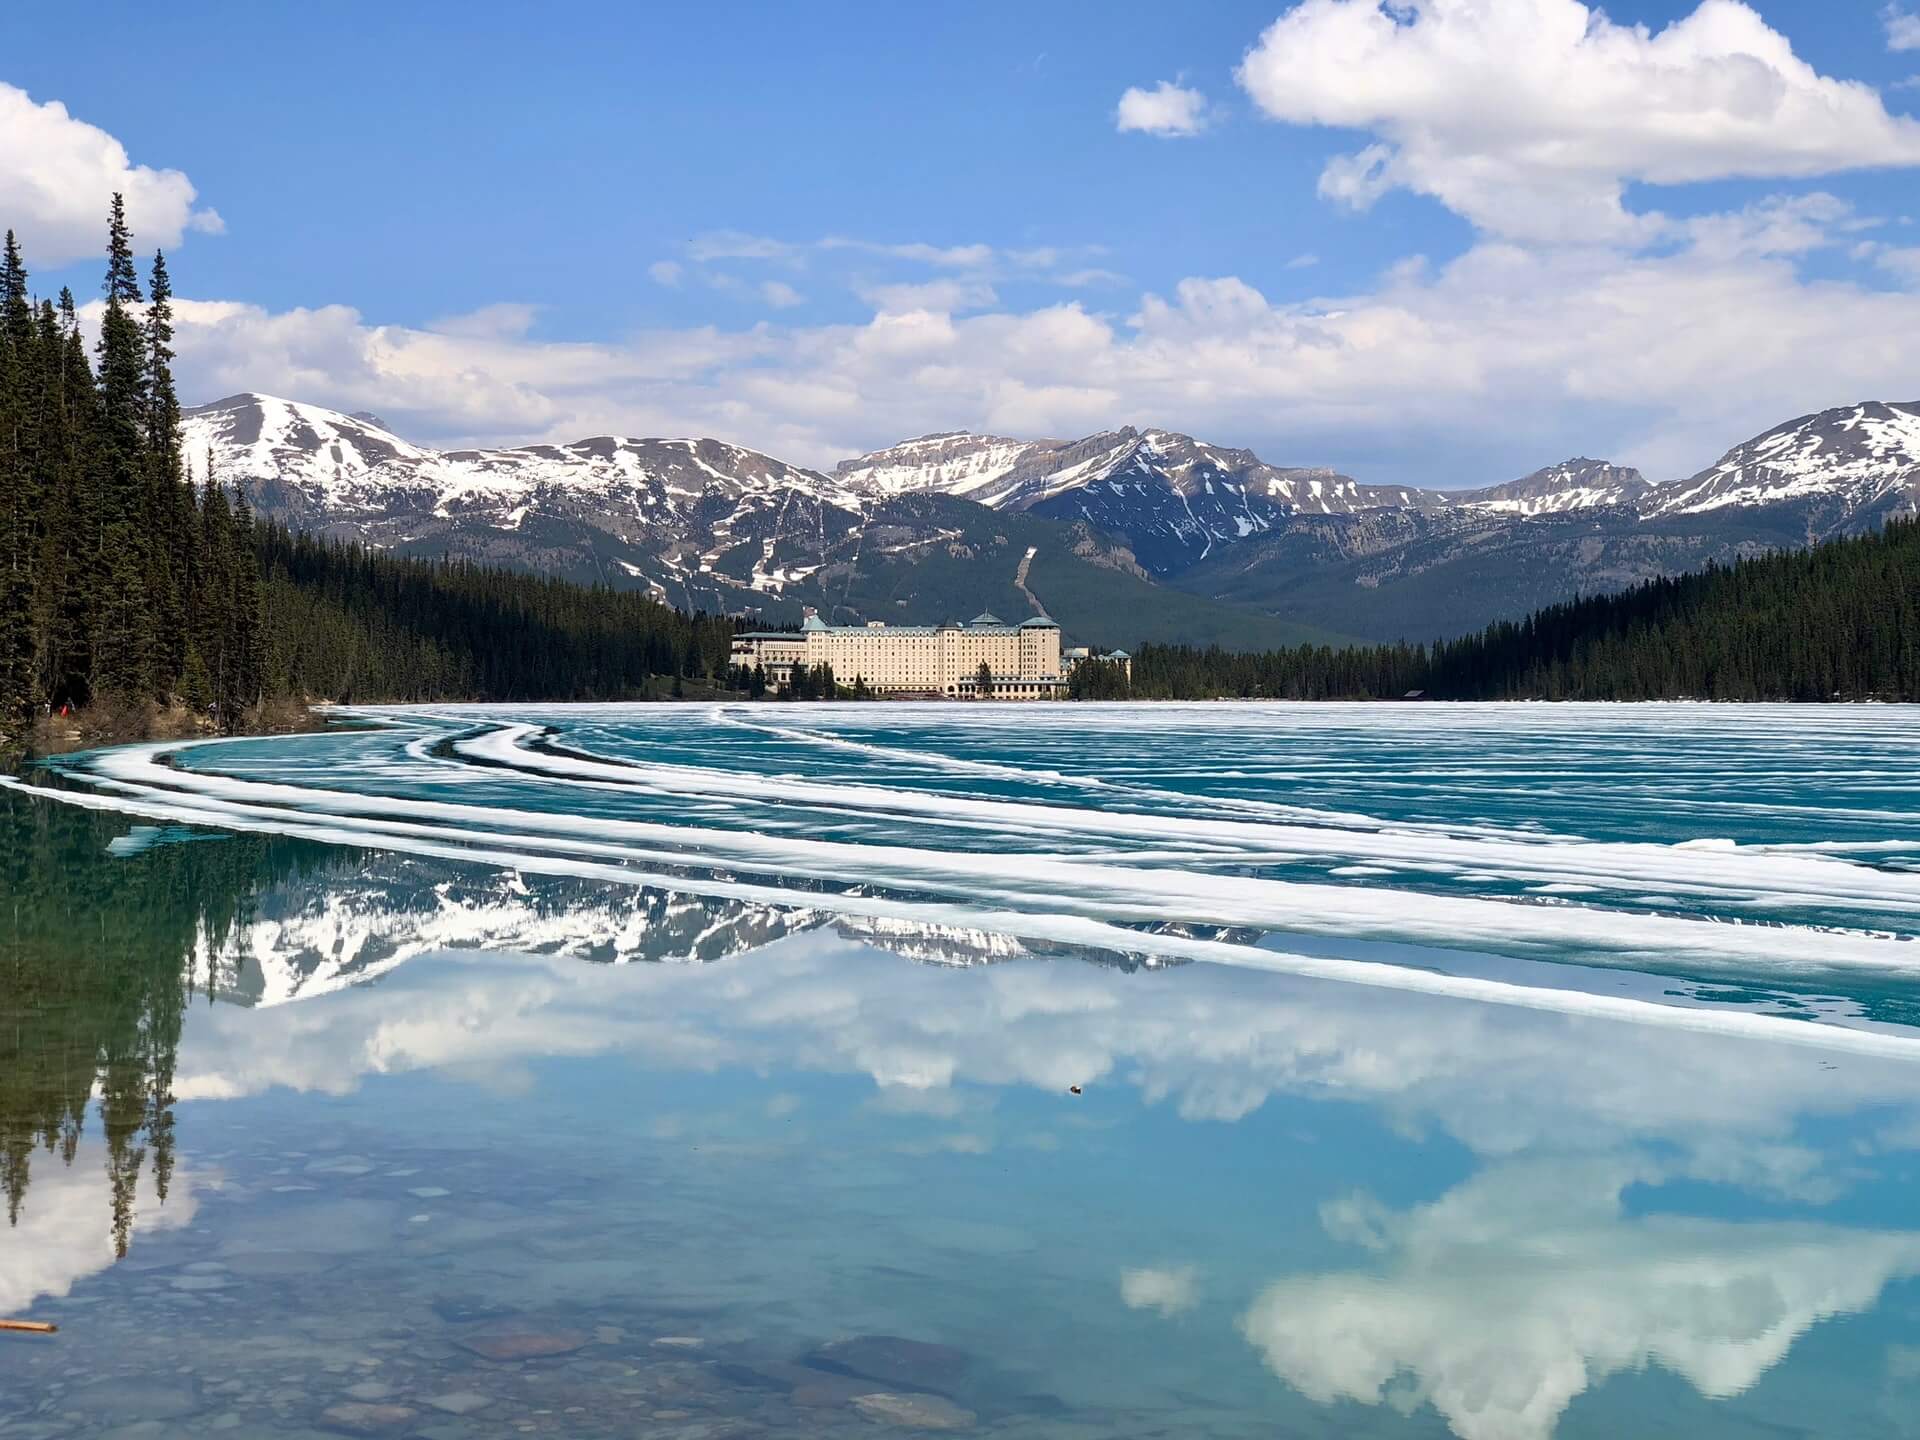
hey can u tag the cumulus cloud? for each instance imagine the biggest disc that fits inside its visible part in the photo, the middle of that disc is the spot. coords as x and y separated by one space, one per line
1540 352
781 295
58 174
475 376
1167 109
1508 1297
666 272
1529 117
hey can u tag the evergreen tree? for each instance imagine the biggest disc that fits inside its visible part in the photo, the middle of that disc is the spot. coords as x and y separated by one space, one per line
19 368
124 661
169 507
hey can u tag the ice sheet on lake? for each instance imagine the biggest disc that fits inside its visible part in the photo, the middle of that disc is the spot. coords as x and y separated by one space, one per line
1092 827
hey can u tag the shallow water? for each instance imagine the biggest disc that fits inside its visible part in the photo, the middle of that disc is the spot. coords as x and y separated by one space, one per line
1504 1072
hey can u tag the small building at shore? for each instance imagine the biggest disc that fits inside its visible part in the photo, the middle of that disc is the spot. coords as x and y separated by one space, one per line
944 660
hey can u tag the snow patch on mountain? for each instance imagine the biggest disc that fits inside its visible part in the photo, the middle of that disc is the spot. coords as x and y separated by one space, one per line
1868 455
705 524
1578 484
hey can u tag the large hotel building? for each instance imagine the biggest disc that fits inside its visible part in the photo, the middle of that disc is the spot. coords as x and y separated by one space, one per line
943 660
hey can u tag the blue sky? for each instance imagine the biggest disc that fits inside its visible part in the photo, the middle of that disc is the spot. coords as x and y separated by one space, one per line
490 223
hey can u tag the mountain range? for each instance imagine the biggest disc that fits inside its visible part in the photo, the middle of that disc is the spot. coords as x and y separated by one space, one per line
1124 536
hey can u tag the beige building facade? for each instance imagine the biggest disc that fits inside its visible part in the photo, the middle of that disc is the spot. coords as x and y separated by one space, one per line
942 660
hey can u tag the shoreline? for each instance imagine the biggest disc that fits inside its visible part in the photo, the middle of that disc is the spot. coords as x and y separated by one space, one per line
99 728
96 727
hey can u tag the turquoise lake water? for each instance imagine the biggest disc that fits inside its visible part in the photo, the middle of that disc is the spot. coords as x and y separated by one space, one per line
1504 1072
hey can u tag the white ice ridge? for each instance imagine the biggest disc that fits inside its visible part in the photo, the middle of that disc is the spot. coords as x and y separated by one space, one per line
1142 894
931 759
1761 881
1055 928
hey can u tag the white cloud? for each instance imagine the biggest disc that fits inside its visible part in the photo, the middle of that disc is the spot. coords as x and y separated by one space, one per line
781 295
1503 1300
1542 353
1167 109
961 257
1778 225
1903 28
738 245
58 174
1170 1292
1086 278
1529 117
505 321
1901 262
944 296
666 272
1303 262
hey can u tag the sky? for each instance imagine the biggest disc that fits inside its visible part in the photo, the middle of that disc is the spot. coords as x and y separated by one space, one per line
1438 242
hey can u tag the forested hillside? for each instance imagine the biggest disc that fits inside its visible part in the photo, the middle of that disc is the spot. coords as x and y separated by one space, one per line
1840 621
347 623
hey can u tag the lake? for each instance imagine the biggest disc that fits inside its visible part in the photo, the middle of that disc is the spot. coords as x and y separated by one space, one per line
1503 1072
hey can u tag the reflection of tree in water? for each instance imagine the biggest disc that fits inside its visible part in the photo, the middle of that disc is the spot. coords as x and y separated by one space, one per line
97 966
100 956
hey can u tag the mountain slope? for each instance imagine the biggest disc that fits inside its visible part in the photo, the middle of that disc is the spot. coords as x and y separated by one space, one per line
1135 534
695 523
1320 548
930 557
1391 575
1173 498
1840 620
1858 460
1578 484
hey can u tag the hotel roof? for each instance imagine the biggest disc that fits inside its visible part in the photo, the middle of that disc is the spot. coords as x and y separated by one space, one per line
814 624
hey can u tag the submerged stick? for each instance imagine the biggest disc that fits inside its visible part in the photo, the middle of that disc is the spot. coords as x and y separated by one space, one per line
29 1327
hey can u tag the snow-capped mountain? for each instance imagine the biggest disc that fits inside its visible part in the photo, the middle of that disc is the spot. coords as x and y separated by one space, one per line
901 533
1866 457
699 523
953 463
690 519
1175 498
1577 484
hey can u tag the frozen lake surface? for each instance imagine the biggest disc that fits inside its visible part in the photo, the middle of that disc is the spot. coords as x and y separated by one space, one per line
1070 1070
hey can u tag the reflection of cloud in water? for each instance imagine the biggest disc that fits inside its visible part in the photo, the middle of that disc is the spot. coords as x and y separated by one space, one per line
1171 1292
64 1236
1506 1298
1216 1044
